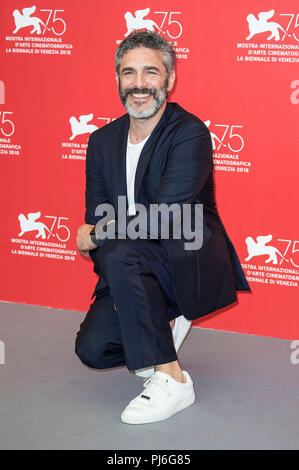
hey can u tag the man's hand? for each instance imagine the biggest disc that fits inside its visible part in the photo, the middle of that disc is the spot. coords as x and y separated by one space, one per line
84 242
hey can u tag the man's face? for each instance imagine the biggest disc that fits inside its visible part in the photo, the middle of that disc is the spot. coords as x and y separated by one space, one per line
142 83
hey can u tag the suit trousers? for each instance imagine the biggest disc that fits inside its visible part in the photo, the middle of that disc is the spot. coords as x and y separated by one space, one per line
128 322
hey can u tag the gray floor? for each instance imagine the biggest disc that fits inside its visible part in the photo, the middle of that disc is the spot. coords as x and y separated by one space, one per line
247 391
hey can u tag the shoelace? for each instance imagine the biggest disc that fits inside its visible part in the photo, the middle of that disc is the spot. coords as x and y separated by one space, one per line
154 385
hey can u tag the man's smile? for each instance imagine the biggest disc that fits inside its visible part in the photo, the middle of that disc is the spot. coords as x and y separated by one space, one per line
140 97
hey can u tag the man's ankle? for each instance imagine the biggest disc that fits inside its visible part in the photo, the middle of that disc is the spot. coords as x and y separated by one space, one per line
175 374
179 378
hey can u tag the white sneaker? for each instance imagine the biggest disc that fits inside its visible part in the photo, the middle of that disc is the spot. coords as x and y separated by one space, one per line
179 333
163 397
180 330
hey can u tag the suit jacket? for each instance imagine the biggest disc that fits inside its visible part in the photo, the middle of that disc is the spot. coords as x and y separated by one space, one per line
175 166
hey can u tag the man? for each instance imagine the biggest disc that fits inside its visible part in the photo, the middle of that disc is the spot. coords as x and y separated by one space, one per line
157 153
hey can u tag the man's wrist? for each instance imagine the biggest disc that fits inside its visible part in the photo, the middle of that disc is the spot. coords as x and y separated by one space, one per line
96 228
93 237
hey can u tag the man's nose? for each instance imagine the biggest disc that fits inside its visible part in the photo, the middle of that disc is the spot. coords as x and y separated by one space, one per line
141 80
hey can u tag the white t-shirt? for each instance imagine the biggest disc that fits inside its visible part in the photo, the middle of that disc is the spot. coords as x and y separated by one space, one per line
132 157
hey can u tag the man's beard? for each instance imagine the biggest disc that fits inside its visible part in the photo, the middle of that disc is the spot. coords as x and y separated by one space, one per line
159 99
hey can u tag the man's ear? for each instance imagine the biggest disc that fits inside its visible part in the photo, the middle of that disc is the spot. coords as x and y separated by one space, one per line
171 80
117 78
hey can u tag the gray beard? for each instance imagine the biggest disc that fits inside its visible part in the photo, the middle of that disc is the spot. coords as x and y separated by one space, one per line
159 99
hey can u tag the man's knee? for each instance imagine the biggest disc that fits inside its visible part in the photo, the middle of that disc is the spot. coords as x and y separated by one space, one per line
88 355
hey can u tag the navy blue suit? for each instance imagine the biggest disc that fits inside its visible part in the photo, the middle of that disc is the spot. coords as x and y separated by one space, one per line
175 166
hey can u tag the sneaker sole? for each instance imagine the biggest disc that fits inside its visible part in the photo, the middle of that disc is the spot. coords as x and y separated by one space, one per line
181 335
144 420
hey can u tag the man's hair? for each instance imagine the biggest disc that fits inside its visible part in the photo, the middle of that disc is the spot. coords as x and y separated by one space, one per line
148 39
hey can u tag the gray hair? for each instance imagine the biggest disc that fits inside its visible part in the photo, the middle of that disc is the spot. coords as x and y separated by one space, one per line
150 40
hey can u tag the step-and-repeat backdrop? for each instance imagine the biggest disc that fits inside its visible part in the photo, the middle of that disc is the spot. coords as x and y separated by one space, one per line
237 70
